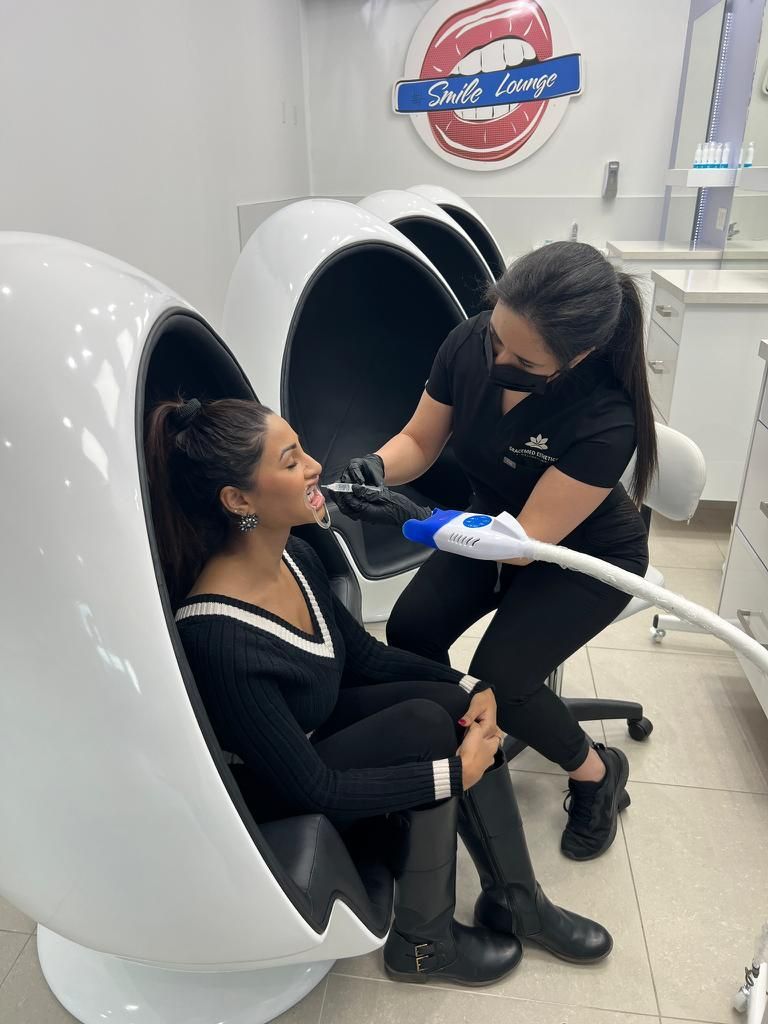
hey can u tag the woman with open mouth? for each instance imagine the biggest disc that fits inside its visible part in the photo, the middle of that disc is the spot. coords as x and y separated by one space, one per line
318 716
545 398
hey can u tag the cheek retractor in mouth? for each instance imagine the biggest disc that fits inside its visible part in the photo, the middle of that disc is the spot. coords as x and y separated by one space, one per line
314 497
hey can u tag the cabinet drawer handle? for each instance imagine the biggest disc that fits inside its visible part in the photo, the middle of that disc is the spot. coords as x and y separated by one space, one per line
656 365
744 618
764 508
665 310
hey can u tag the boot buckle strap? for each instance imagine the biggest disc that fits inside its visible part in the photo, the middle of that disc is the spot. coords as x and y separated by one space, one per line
423 951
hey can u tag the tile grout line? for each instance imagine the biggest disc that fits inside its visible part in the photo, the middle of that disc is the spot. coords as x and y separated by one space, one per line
663 650
510 999
642 921
18 957
325 993
705 789
648 782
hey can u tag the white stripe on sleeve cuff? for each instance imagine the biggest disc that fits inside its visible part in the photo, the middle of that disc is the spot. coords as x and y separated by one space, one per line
442 774
468 683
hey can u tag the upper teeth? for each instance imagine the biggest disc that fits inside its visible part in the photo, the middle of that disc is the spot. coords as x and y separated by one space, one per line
499 55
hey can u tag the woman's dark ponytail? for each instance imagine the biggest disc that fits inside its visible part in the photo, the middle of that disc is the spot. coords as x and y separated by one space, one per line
576 301
626 351
192 451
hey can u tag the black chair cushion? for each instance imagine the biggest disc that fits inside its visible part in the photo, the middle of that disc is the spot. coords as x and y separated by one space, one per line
325 868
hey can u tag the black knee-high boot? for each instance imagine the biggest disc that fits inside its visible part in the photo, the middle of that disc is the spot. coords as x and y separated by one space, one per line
425 942
512 901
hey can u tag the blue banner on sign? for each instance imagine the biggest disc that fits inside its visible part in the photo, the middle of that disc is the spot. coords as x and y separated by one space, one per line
545 80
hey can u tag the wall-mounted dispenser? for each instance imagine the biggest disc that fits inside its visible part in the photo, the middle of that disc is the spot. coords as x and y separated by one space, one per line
611 180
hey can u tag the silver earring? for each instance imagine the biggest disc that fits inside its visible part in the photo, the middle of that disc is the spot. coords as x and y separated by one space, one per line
248 522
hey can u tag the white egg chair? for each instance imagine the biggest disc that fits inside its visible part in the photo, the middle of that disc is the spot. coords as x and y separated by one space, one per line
158 897
338 316
442 240
470 220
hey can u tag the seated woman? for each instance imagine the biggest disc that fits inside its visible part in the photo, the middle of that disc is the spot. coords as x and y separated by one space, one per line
320 716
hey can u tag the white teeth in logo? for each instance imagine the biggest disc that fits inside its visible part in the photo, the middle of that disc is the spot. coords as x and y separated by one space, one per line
499 55
538 442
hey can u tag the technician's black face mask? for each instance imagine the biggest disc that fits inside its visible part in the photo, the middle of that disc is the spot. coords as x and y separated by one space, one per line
512 377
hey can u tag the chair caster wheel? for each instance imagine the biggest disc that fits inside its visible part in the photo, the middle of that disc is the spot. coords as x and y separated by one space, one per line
639 728
656 634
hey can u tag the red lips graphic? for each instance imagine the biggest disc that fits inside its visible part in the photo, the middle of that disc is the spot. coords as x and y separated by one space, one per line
489 37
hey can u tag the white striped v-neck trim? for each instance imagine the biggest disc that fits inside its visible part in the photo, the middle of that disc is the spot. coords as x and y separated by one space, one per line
323 647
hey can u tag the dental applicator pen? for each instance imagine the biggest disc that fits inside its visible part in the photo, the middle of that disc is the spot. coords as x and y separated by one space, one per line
339 488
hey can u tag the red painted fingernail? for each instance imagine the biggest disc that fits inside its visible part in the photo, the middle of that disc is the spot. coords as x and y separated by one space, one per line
462 721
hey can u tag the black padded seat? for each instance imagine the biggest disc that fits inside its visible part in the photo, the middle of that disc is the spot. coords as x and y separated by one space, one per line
312 863
358 353
480 235
456 260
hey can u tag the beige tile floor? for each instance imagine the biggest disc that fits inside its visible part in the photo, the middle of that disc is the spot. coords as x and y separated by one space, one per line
684 889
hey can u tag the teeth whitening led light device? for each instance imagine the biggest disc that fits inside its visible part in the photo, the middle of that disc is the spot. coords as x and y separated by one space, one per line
496 538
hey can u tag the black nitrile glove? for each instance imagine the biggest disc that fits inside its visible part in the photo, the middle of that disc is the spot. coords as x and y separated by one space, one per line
367 470
379 506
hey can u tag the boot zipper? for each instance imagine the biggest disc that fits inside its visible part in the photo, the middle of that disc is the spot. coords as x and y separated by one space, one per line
479 824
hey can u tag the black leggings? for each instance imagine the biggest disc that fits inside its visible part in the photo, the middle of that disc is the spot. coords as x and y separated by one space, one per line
543 614
376 726
387 724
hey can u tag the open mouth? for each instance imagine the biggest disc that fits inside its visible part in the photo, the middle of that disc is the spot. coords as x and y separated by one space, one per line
314 497
493 36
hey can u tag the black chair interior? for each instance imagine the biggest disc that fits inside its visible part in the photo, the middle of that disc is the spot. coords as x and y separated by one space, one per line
308 857
457 261
359 351
480 235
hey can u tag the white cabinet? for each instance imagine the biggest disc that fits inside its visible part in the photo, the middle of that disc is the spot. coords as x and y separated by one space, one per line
703 367
744 594
661 357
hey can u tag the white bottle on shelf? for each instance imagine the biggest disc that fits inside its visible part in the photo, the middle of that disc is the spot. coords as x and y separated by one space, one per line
749 156
697 158
719 155
709 156
726 155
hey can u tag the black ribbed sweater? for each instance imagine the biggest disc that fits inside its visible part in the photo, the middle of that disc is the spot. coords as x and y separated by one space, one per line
266 685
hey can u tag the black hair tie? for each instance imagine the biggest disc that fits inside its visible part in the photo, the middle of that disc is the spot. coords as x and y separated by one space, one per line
184 414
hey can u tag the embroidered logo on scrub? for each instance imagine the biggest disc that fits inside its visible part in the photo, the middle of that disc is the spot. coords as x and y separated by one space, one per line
538 442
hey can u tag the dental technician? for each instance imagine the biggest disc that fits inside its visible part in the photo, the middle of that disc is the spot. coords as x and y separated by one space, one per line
545 398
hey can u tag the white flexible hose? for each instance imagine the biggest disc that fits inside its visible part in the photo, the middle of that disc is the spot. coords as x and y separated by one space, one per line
655 595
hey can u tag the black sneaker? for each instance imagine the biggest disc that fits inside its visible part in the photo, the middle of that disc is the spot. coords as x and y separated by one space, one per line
593 808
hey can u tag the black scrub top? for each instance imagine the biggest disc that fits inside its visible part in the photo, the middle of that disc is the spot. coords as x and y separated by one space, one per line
584 424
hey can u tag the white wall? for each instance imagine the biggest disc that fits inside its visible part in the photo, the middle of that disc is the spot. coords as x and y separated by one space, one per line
697 98
632 57
750 209
138 127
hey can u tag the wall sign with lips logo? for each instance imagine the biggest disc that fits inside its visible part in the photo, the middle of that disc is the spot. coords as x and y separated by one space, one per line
487 84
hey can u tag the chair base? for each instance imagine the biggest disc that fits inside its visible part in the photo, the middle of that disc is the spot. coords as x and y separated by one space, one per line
95 987
592 709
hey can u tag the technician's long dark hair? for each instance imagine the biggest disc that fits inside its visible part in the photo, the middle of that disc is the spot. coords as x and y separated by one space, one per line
576 300
194 449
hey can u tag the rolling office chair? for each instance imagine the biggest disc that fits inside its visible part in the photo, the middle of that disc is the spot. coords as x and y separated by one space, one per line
675 493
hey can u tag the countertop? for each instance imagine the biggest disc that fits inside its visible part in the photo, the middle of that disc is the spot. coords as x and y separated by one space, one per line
747 249
659 251
715 287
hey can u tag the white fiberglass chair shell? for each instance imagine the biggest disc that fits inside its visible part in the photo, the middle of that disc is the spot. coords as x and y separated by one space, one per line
470 220
338 316
442 240
159 898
